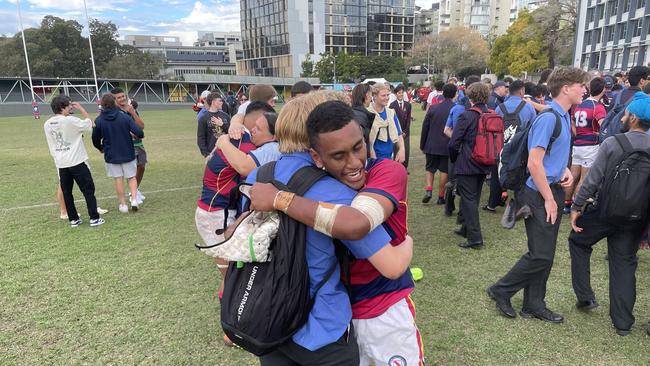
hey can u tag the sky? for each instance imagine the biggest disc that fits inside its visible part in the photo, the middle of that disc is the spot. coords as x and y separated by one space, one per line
150 17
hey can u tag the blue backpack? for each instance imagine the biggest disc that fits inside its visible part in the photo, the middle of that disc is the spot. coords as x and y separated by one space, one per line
612 123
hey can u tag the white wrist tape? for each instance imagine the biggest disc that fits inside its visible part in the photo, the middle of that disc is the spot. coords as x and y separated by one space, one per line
370 208
325 216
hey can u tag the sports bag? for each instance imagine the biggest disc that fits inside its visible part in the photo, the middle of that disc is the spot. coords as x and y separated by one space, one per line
513 170
612 124
248 239
489 138
626 190
265 303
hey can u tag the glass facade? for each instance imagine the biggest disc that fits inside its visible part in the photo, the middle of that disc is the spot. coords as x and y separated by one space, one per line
390 26
265 37
348 26
345 26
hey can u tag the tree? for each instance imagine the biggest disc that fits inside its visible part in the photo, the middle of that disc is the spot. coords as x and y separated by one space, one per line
555 25
104 39
307 67
537 40
57 49
351 66
451 51
519 50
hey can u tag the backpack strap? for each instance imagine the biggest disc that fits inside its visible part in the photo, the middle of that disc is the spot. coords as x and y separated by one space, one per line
618 98
265 173
304 178
624 142
557 130
521 106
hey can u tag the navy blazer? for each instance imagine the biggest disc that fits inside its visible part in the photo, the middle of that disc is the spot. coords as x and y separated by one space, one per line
462 144
403 115
432 140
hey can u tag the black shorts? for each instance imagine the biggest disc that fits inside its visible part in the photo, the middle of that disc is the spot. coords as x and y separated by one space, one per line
437 162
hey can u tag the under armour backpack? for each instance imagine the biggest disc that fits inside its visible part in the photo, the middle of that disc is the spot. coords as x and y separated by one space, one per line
626 189
489 137
612 124
511 121
265 303
513 170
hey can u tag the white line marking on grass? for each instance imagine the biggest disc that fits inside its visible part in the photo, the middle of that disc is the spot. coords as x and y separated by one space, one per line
98 198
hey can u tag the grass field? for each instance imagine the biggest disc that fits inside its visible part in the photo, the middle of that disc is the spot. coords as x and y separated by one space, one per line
134 291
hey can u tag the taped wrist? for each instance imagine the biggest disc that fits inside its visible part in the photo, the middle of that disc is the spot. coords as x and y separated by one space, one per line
370 208
283 200
325 216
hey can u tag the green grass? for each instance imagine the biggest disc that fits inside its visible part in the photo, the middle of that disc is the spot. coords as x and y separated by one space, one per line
135 291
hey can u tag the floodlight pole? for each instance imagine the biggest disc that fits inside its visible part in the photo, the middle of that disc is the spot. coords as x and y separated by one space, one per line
92 55
22 32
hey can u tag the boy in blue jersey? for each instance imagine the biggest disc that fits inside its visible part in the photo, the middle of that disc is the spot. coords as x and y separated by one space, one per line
544 193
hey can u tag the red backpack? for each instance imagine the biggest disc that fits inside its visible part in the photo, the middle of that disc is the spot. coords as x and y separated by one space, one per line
489 138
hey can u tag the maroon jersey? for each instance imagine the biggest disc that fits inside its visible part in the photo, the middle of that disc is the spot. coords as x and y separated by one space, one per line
586 117
372 293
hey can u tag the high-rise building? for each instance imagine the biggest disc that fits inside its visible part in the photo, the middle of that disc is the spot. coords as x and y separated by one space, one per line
612 35
279 35
490 18
426 20
390 26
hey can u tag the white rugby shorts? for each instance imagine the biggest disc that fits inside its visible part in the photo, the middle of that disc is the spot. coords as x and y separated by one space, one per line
584 156
391 339
207 223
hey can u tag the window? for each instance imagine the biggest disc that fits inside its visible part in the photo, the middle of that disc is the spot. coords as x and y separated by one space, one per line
600 10
596 58
619 59
623 32
597 35
626 6
613 8
637 24
610 33
634 57
640 4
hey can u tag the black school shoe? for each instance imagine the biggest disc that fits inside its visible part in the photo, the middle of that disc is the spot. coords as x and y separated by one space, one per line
544 314
427 197
440 201
586 305
503 304
490 209
468 245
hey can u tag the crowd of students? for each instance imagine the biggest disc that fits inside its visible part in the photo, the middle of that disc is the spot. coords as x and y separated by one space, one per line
362 141
561 179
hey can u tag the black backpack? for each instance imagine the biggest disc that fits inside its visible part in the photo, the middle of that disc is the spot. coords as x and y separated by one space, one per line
233 104
612 124
513 169
264 304
511 121
626 189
